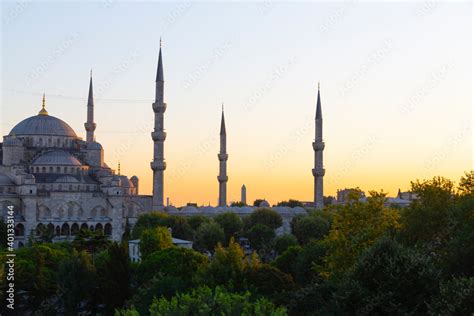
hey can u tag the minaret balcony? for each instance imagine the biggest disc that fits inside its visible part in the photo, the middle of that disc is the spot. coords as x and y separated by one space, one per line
158 136
90 126
158 165
222 178
222 156
318 146
159 107
319 172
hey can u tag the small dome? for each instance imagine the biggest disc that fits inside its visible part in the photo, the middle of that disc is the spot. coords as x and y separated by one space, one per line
171 209
4 180
57 157
264 203
46 125
66 179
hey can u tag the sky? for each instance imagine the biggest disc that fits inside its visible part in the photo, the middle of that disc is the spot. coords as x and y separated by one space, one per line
396 89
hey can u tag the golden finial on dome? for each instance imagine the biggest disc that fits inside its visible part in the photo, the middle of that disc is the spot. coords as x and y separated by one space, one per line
43 110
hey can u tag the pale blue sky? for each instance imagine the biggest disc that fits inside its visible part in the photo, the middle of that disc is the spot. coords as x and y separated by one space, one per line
396 83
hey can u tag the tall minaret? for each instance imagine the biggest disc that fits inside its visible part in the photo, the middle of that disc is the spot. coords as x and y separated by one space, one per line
222 177
318 147
158 165
90 125
243 195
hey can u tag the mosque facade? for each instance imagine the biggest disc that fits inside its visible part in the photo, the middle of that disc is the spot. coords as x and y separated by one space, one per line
56 182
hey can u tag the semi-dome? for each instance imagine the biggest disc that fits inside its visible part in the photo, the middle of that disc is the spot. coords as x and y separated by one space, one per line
57 157
45 125
5 180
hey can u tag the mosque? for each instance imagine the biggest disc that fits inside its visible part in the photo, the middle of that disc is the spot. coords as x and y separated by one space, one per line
56 181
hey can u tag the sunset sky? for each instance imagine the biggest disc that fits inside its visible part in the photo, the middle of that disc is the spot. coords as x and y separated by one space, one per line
396 89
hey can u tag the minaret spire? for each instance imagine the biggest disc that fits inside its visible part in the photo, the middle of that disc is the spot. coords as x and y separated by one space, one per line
43 106
223 156
158 165
90 125
318 147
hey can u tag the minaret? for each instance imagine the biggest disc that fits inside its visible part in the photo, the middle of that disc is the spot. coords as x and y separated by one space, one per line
158 165
222 177
90 125
318 147
243 194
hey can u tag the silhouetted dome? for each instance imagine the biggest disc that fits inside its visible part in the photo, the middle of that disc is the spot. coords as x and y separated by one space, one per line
46 125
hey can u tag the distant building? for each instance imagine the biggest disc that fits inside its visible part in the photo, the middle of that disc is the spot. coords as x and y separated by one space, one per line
342 196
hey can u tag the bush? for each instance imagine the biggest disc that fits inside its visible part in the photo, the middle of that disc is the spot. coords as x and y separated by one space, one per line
208 236
310 227
153 240
264 216
456 297
231 223
285 241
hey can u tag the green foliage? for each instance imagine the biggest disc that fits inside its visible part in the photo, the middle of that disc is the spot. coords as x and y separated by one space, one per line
264 216
286 262
257 202
179 225
425 220
267 280
115 276
231 223
92 242
185 264
238 204
197 220
77 278
283 242
307 262
153 240
228 264
389 279
204 301
208 235
355 227
260 236
310 227
456 297
466 184
290 203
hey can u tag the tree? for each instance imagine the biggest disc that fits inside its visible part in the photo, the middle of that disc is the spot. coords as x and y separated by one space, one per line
228 264
77 279
309 227
115 278
284 241
153 240
261 237
204 301
286 262
186 264
290 203
355 227
238 204
208 236
231 223
466 184
197 220
455 298
389 279
424 221
92 242
264 216
179 224
268 280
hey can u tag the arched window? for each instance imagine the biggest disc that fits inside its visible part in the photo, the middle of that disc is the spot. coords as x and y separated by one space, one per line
50 169
43 169
58 231
39 229
99 229
50 228
74 229
20 230
65 230
84 226
58 169
107 229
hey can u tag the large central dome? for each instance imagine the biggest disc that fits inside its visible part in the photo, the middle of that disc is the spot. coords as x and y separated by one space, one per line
46 125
